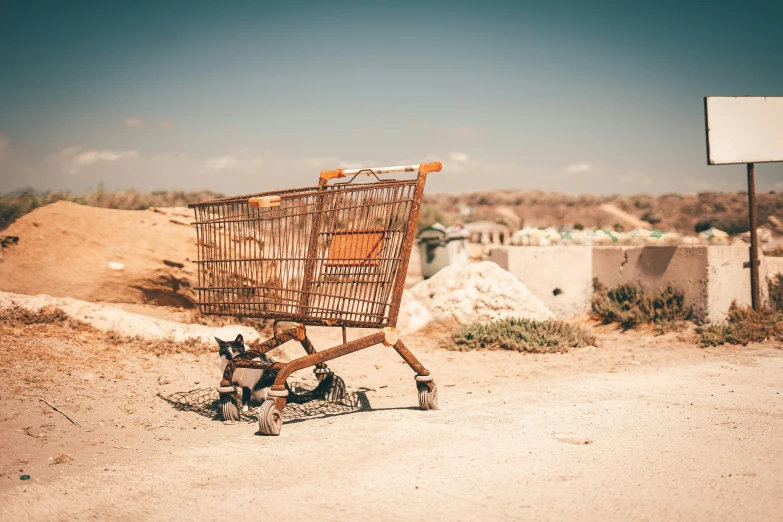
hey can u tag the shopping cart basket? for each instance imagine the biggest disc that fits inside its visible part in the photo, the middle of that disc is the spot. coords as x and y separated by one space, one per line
332 255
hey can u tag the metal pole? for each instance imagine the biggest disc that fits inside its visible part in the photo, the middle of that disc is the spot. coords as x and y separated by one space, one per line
754 241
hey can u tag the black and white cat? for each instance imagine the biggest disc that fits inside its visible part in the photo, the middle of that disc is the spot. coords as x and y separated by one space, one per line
254 383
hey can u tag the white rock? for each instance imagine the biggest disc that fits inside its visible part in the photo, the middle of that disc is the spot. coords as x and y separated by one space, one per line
477 293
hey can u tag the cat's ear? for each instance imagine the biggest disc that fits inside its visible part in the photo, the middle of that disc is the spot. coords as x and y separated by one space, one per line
239 339
220 343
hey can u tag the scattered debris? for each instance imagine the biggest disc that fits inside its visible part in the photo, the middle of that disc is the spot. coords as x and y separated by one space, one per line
60 412
62 458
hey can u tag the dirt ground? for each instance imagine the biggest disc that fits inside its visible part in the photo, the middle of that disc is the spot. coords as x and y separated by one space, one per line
639 428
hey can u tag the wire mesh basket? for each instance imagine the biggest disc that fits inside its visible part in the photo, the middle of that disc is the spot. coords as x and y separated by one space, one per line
327 256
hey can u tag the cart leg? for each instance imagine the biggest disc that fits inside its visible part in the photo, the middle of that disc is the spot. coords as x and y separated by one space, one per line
409 358
320 370
428 392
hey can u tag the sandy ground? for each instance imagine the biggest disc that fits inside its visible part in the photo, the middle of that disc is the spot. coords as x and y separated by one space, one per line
640 428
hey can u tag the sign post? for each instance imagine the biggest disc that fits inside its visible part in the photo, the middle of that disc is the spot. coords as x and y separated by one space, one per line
748 130
754 240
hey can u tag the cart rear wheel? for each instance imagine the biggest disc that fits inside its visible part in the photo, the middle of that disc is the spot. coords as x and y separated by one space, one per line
270 420
428 395
228 406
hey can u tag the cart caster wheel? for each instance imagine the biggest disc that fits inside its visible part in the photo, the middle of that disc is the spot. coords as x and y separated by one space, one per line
336 390
270 420
428 395
228 407
321 373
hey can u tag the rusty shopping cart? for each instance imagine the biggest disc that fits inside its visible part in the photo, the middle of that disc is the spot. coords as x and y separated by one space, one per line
332 255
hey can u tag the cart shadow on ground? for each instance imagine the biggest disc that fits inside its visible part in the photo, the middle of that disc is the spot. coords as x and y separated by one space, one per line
206 402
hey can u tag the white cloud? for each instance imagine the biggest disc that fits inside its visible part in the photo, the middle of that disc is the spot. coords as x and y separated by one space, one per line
80 159
581 167
221 163
134 122
165 124
459 157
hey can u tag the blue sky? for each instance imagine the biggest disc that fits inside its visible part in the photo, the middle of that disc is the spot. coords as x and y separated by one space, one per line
602 97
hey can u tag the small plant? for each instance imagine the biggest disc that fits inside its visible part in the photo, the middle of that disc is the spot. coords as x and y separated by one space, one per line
521 335
18 316
630 306
744 325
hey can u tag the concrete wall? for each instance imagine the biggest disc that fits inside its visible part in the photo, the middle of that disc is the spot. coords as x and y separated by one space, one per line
711 277
561 276
729 280
774 266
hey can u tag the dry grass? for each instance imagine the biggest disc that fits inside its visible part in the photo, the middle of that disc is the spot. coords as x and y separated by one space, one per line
15 205
684 213
745 325
55 323
630 306
521 335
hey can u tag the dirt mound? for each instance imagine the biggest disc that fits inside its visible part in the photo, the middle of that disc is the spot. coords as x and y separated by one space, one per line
477 293
111 319
98 254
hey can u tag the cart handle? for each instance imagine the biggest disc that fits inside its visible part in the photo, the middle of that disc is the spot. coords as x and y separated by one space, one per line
423 168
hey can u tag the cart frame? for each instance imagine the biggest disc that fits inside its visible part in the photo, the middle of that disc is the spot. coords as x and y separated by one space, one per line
357 240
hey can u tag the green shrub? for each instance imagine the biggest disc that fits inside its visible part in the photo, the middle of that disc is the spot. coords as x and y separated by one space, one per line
630 306
744 325
731 226
521 335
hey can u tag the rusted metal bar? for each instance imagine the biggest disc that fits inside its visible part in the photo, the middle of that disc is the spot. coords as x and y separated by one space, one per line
405 255
312 249
755 297
409 358
325 355
310 349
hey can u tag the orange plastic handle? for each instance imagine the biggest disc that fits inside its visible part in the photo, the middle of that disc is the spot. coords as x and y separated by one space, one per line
426 168
332 174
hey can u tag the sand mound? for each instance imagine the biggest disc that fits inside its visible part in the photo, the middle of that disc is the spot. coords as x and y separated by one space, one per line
98 254
477 293
111 319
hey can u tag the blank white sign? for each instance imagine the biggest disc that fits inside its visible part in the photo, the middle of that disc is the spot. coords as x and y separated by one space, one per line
744 129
